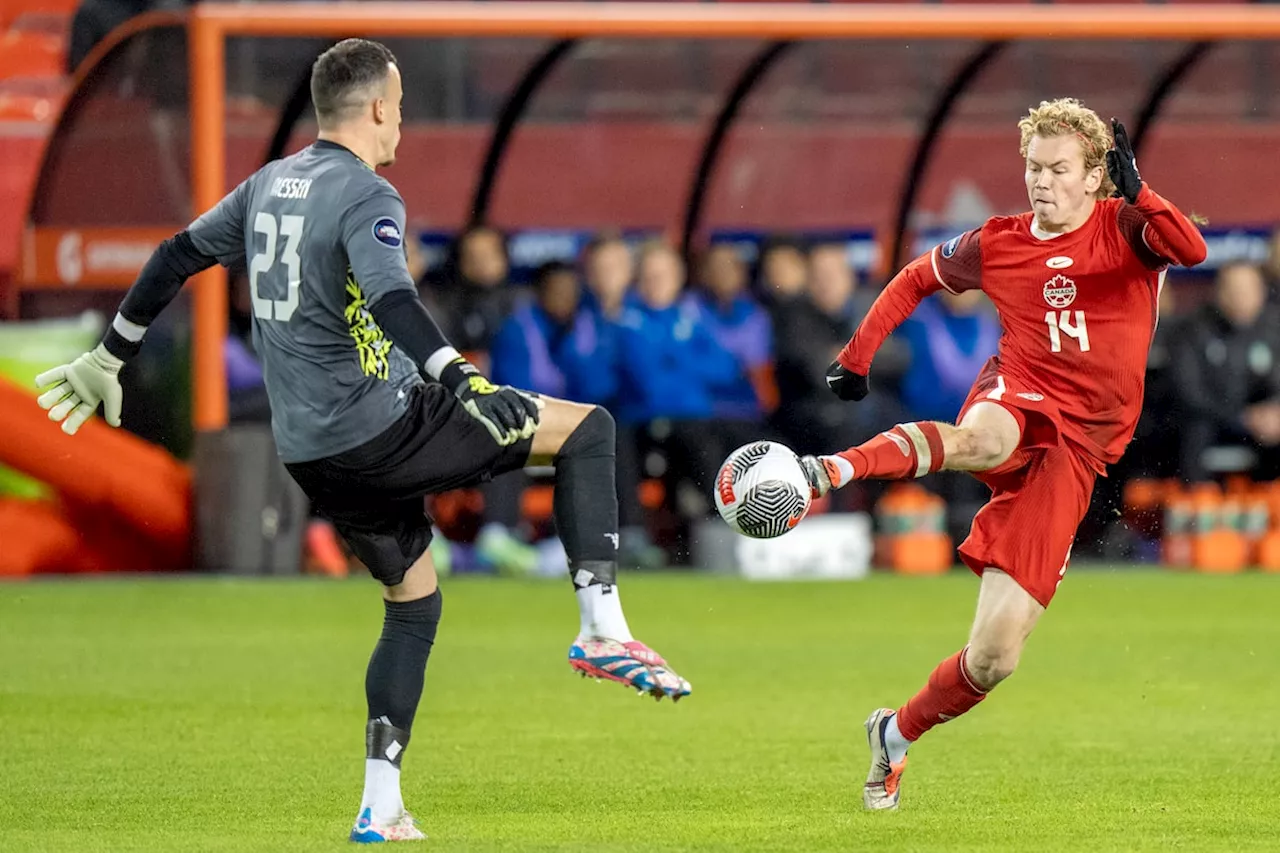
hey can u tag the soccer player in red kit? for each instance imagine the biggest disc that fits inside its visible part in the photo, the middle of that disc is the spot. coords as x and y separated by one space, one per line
1076 282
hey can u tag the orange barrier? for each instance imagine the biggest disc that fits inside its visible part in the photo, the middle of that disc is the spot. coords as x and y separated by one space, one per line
1211 529
36 537
911 533
732 20
43 536
102 470
211 23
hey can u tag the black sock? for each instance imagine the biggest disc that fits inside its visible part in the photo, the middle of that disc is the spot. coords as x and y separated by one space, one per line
586 499
393 683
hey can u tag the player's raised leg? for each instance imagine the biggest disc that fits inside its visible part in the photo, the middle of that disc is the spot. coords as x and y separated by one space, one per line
393 687
984 439
580 441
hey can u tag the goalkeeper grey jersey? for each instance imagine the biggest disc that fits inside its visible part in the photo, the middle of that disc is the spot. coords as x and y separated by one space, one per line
323 236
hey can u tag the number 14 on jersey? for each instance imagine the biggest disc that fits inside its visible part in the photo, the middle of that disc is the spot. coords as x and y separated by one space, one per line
1069 323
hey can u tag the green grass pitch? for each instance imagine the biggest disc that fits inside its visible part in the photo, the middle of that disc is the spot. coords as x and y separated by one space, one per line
220 715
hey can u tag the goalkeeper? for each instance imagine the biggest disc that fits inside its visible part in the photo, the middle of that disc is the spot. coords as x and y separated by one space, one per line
345 341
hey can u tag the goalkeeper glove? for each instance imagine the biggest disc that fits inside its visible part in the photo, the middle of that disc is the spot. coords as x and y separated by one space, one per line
78 388
846 384
509 415
1122 166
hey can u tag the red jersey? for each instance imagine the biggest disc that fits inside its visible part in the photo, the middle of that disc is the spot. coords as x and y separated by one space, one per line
1078 309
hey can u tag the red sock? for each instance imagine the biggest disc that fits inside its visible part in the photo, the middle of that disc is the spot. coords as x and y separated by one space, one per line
907 450
948 694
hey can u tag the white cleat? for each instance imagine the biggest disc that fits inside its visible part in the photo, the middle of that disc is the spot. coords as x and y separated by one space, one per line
370 831
884 779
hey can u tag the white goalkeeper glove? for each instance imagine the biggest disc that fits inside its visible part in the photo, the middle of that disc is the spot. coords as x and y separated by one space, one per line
78 388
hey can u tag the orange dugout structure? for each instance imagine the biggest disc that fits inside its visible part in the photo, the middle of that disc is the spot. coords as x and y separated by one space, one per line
210 26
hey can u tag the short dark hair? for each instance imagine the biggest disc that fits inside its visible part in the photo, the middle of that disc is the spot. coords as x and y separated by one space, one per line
474 230
342 73
548 270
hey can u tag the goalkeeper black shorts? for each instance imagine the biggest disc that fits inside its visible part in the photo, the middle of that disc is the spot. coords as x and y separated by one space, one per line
374 494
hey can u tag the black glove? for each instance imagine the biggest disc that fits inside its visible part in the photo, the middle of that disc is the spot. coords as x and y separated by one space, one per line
1122 167
508 414
846 384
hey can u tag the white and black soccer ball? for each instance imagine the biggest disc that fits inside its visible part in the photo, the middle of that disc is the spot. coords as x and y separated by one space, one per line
762 491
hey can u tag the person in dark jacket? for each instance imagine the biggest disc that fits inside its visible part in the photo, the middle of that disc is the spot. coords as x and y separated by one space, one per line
1226 375
472 298
524 354
809 332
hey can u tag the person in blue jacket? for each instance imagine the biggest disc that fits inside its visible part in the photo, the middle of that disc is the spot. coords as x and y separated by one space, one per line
592 359
670 368
524 350
671 364
740 326
949 338
524 354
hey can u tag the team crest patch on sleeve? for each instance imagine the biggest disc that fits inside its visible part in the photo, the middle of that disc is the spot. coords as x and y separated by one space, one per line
949 247
387 232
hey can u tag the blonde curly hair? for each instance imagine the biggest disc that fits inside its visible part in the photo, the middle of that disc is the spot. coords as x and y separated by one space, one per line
1069 117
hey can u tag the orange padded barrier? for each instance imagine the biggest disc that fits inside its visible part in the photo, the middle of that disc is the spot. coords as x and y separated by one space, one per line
100 469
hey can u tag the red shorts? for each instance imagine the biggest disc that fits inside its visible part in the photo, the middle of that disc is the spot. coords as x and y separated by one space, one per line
1040 494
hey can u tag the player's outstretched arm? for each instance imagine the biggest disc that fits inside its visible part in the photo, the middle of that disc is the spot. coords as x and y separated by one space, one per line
1168 232
847 375
75 390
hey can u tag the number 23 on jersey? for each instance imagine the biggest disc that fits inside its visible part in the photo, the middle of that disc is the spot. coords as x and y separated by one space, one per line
264 307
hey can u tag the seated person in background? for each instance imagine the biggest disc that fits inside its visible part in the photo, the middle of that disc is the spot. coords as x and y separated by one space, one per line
592 358
783 271
1156 445
472 297
590 355
741 327
1226 374
670 367
607 271
523 351
948 338
806 334
832 281
523 354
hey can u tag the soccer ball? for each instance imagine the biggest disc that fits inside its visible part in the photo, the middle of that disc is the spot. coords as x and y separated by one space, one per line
761 490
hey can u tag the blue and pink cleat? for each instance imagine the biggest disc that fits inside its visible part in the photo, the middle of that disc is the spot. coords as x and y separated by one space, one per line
632 664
